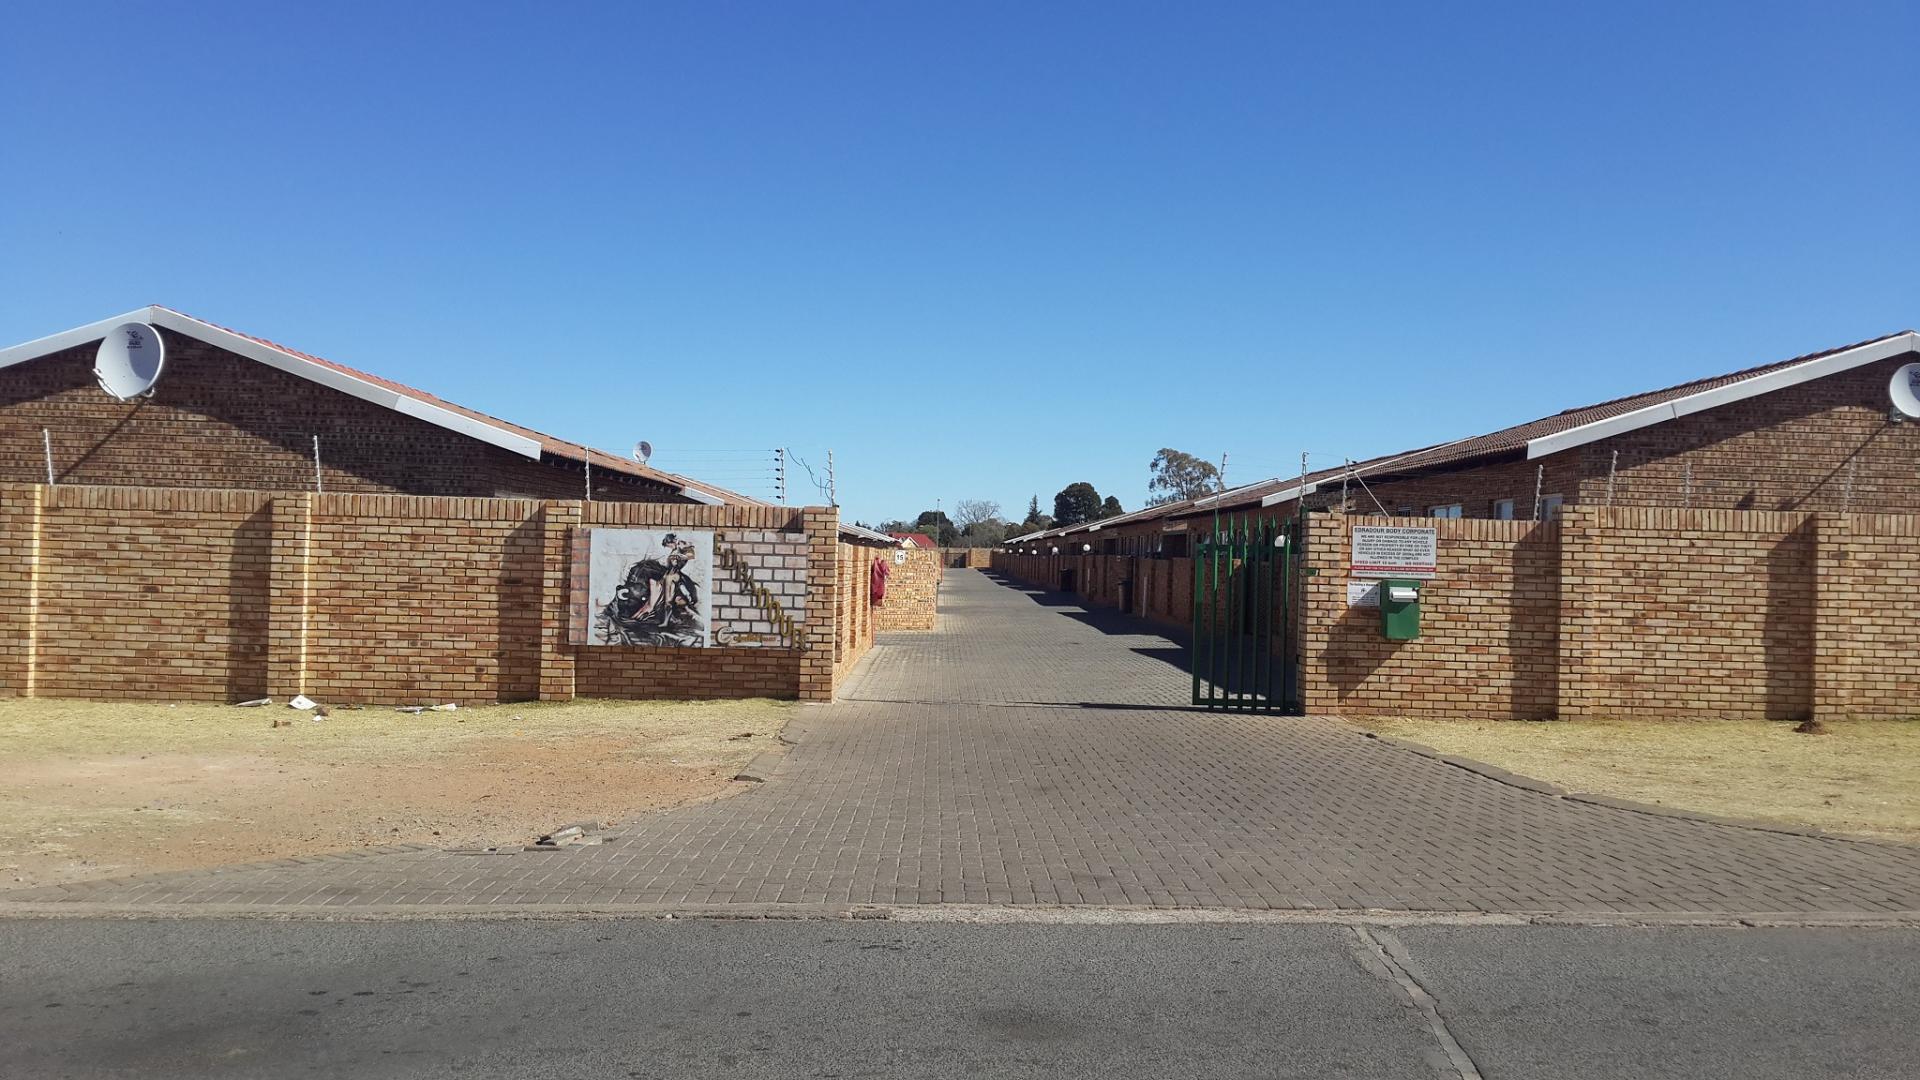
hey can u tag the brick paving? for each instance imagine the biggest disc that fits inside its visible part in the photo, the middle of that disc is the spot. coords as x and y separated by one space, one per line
1029 752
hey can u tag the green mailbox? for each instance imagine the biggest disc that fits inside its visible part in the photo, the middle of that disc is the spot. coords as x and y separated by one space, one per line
1400 609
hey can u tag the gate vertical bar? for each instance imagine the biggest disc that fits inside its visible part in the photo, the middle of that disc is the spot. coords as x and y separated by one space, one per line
1266 614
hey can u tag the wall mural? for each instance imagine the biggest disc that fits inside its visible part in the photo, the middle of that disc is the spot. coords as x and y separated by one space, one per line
650 587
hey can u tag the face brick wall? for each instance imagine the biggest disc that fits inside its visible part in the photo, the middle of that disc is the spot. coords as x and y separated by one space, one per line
217 420
220 595
1674 612
1633 612
1488 626
146 594
913 590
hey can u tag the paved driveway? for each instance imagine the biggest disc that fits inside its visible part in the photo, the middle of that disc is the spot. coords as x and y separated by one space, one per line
1029 752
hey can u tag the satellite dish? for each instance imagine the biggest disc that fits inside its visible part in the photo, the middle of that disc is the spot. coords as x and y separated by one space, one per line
642 450
1905 391
129 360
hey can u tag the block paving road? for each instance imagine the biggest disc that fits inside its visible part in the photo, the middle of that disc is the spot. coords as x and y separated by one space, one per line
1031 752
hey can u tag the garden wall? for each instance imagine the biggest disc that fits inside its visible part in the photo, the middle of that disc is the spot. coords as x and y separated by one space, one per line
115 592
1646 612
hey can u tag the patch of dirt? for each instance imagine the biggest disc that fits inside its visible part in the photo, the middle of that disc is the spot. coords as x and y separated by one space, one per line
97 790
1860 777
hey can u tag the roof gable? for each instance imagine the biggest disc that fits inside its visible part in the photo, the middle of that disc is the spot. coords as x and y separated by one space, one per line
384 392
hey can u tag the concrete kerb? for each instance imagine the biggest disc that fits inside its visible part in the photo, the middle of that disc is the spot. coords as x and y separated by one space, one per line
1085 915
1543 787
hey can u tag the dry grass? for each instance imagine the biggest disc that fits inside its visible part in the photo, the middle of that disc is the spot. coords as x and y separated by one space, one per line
1863 778
90 789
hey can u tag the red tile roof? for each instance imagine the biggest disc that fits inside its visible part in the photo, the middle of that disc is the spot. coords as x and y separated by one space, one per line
919 540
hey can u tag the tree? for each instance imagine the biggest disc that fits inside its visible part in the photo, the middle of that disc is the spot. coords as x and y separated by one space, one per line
937 526
971 514
1110 508
1035 522
1076 503
1179 476
985 533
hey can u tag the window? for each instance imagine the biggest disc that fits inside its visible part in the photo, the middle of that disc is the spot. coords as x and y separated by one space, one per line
1452 510
1550 507
1503 510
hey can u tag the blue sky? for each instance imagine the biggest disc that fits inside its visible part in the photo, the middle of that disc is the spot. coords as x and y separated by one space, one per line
978 250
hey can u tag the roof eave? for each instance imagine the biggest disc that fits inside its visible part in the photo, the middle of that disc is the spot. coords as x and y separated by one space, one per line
1845 360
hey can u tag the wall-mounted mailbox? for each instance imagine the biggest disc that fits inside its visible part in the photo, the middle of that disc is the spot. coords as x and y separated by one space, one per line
1400 609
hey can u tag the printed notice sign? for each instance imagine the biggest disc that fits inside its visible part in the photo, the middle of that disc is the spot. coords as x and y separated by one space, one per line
1393 551
1363 594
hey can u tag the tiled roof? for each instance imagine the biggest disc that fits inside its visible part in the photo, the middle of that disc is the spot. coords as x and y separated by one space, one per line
1513 439
556 447
919 540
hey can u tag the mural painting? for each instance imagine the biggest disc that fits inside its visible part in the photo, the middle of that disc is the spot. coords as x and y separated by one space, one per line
651 587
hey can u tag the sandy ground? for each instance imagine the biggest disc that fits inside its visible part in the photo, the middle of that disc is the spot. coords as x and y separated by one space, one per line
91 789
1862 778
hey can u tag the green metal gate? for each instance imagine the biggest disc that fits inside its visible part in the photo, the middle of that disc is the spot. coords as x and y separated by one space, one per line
1244 574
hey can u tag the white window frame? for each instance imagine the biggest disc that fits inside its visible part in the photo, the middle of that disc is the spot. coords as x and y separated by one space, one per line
1550 506
1503 509
1450 510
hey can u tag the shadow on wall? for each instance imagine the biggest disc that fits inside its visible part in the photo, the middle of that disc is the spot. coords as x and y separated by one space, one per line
1788 629
249 605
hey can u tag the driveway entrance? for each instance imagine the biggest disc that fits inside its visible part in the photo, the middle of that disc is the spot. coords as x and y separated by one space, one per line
1030 752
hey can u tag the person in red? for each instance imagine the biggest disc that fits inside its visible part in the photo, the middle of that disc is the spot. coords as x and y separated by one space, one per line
877 580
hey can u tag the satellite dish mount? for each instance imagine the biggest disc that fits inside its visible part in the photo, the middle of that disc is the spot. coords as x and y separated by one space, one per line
642 450
129 361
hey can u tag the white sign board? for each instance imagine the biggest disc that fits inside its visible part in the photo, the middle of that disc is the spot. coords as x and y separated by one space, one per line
1363 594
1394 551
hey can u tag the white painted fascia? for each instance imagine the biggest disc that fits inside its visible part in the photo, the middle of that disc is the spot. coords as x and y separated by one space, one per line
283 361
1897 345
699 496
1297 491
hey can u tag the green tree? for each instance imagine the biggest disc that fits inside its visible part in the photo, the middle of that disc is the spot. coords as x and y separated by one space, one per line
1035 520
1179 476
1076 503
937 526
1110 508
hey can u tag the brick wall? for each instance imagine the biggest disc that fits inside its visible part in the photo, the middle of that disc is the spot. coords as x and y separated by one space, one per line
1635 611
1688 613
913 590
853 602
221 421
966 558
1488 626
378 599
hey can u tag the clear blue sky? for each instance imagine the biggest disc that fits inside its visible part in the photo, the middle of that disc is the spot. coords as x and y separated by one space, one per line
979 250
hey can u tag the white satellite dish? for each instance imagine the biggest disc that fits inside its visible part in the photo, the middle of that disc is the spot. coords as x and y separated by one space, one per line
642 450
129 359
1905 391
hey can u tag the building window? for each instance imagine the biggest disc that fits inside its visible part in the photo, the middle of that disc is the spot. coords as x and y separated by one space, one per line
1503 510
1452 510
1550 507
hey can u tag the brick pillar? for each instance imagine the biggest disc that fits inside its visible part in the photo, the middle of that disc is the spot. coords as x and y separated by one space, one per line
1831 589
289 568
559 577
1323 600
21 508
822 630
1581 529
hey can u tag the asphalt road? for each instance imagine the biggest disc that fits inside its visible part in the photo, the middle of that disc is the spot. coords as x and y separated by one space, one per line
691 998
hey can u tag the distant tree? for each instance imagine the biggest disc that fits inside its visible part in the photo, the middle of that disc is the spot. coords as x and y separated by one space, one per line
897 526
984 533
938 527
1076 503
1035 520
1179 476
970 512
1110 508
